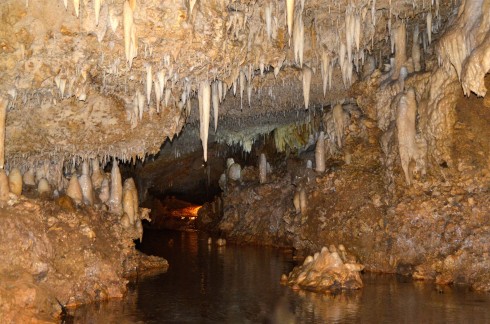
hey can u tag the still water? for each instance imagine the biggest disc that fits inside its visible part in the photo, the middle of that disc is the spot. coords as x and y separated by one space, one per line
240 284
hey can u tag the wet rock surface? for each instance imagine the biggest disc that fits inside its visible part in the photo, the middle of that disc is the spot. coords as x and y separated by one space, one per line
54 255
437 229
328 270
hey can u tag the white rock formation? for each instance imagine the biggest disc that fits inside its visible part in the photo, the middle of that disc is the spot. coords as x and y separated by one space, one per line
15 181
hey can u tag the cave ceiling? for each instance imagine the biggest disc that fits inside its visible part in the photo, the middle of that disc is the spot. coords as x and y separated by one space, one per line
104 78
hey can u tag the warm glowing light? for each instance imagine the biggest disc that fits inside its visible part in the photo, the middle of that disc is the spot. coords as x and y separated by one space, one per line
187 212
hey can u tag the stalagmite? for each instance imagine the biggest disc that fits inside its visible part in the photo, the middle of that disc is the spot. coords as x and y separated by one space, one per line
205 101
405 124
43 188
130 200
290 15
215 99
127 24
338 119
320 153
306 85
97 175
262 168
3 117
97 11
29 177
296 203
15 181
302 201
4 186
74 190
149 83
86 184
115 200
104 191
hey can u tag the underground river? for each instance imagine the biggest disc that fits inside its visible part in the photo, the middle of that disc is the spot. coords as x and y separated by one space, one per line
240 284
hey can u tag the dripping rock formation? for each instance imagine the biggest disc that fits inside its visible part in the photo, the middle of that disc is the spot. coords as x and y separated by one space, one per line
391 96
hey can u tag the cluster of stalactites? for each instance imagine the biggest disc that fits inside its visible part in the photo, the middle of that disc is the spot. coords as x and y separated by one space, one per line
162 86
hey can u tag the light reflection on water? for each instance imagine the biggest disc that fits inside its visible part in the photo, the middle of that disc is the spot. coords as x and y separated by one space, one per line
240 284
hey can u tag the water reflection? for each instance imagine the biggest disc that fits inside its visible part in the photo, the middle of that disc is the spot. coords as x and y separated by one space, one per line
239 284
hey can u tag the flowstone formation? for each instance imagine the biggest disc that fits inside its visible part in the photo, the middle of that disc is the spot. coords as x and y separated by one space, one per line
330 269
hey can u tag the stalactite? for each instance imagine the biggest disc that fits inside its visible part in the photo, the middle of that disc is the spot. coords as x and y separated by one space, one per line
215 99
429 26
141 104
400 49
242 87
115 200
76 4
113 20
320 153
298 39
161 82
127 24
220 91
290 15
157 94
373 12
249 93
205 103
97 11
149 83
416 49
263 168
133 45
268 19
3 117
357 31
306 85
325 66
168 93
350 26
